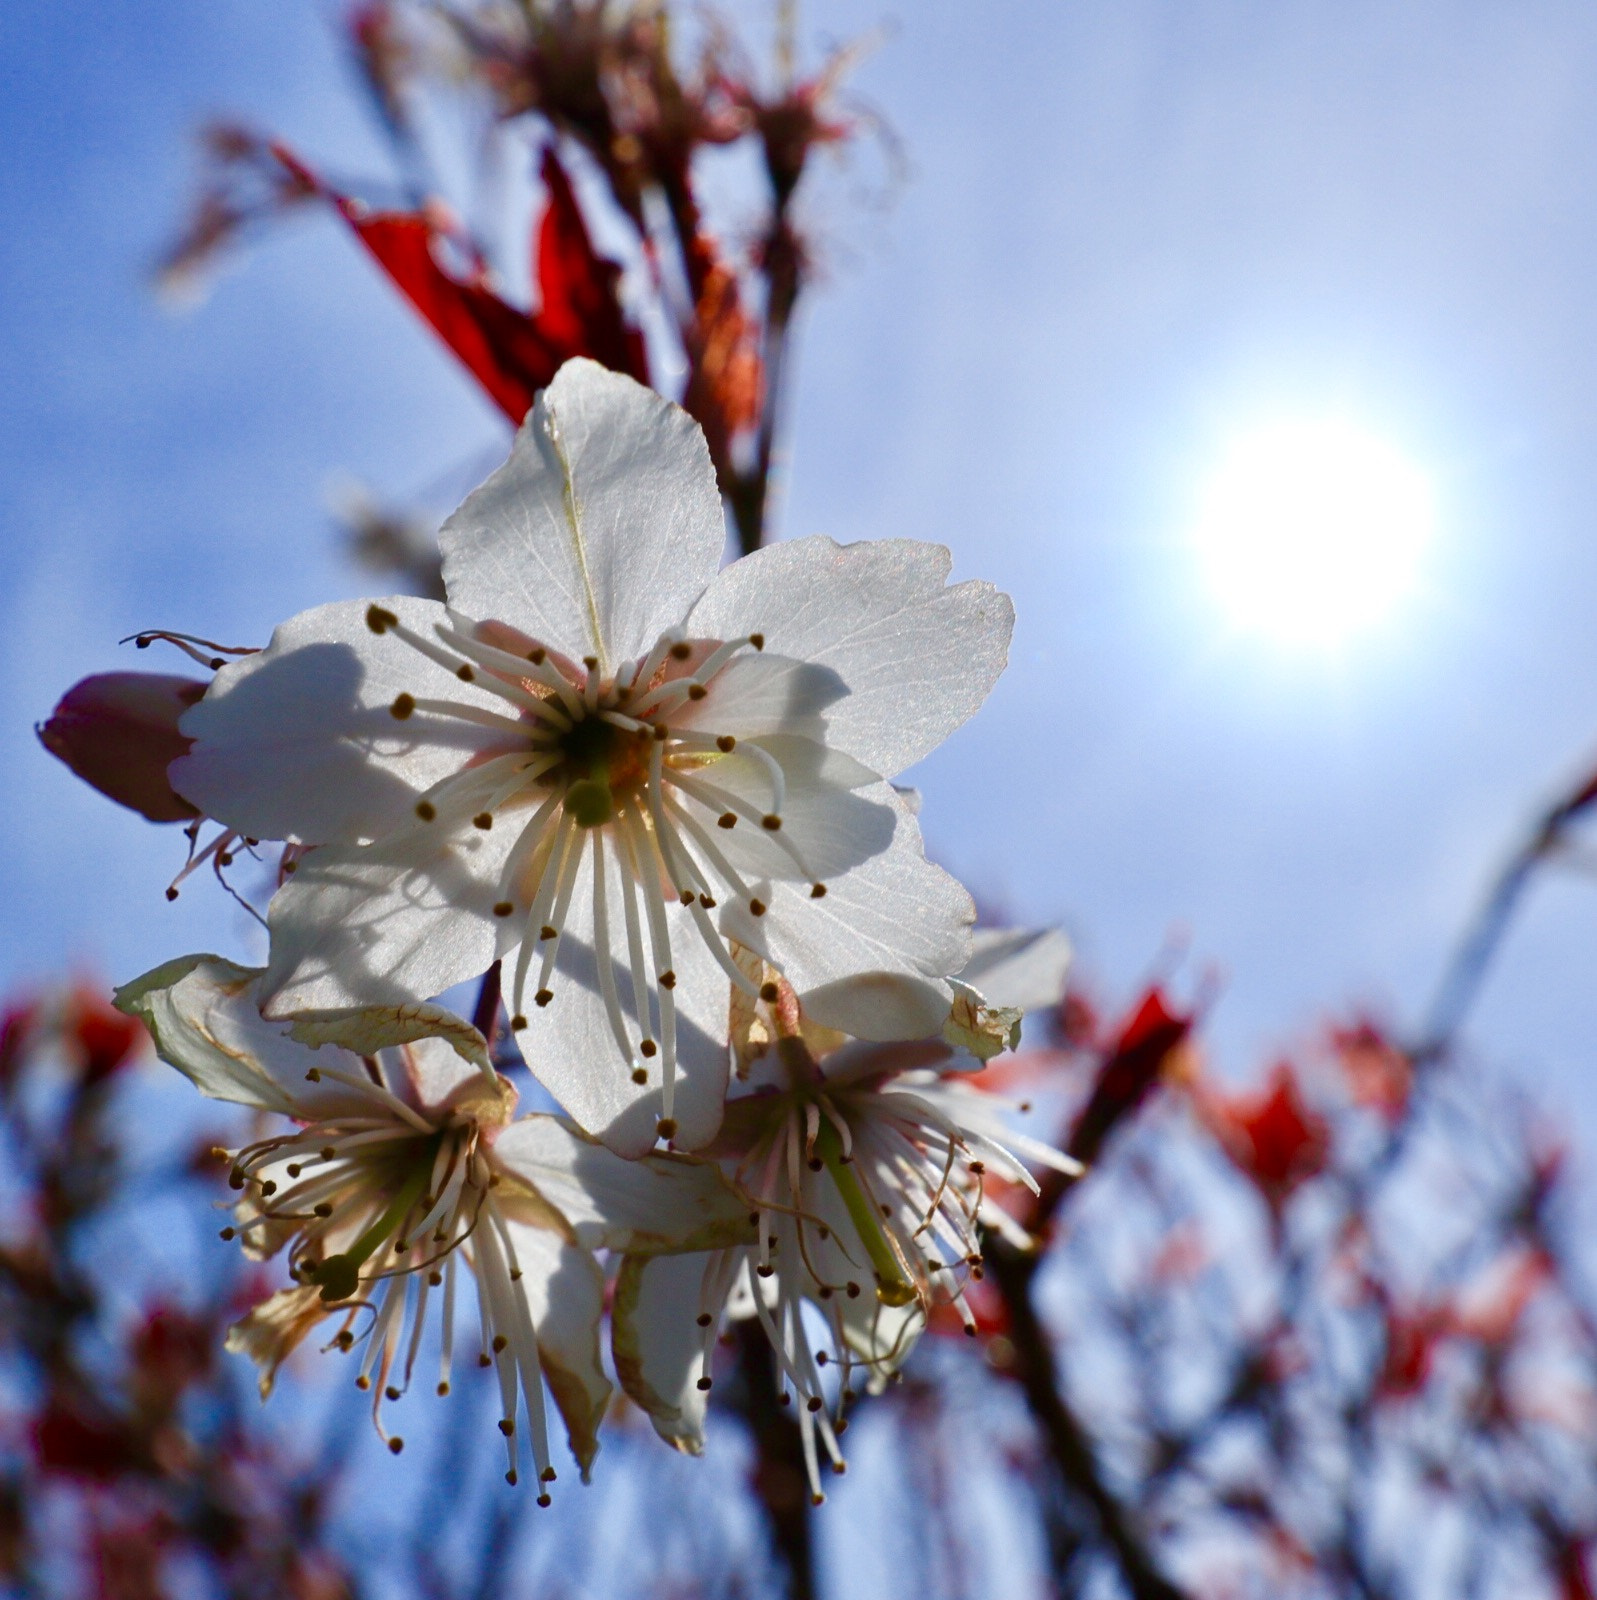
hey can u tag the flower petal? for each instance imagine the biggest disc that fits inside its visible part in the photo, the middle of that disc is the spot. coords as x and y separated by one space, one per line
570 1043
654 1204
870 956
202 1013
565 1298
658 1345
756 694
298 741
269 1333
1020 967
602 527
381 924
918 657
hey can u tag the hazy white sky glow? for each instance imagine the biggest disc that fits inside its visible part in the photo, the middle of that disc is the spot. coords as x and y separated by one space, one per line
1311 531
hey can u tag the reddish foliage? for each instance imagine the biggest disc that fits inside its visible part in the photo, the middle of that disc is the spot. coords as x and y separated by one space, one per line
100 1036
74 1440
18 1023
1132 1064
171 1349
1574 1574
512 355
1410 1345
1379 1075
126 1556
1272 1136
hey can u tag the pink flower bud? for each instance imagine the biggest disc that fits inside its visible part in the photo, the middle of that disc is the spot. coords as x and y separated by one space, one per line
118 731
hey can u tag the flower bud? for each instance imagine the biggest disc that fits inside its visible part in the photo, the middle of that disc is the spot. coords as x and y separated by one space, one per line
118 731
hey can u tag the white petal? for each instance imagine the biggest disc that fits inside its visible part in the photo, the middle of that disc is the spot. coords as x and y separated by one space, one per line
298 742
834 814
1020 967
203 1014
657 1203
571 1048
602 527
917 657
754 694
657 1343
870 956
565 1296
364 1030
382 924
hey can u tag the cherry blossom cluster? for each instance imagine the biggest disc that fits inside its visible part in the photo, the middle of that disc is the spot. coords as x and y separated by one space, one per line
647 799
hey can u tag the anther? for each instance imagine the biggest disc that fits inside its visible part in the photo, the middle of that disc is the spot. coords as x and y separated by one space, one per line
363 1383
537 655
668 979
661 732
978 1167
517 1023
392 1392
294 1169
697 691
345 1340
403 706
546 932
771 822
757 640
970 1330
323 1209
515 1274
485 1360
726 743
235 1179
268 1188
813 1403
443 1388
851 1290
500 1341
705 1319
327 1152
544 1500
288 866
465 674
171 894
727 819
685 896
825 1291
839 1467
681 650
821 1358
817 1498
548 1475
817 891
426 810
510 1477
769 992
507 1426
707 901
543 997
313 1075
666 1128
483 820
380 620
435 1277
705 1384
639 1075
765 1270
396 1445
757 908
228 1233
816 1164
503 908
591 663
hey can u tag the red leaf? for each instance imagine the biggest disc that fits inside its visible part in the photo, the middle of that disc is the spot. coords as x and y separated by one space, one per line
1131 1067
1272 1136
509 353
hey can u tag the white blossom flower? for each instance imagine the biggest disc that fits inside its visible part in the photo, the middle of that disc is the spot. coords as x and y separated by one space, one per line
401 1164
863 1165
606 762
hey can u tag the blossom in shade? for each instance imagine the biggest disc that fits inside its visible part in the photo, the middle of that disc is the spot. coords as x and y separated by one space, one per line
401 1169
609 764
863 1165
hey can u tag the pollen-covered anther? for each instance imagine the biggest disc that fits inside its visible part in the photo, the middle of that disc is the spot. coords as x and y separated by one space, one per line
727 819
681 650
537 655
228 1233
668 979
548 1475
705 1319
404 705
817 891
426 810
379 619
443 1388
771 822
666 1128
705 1384
517 1023
465 673
769 992
697 691
813 1403
546 932
483 820
396 1444
756 908
503 908
544 1500
639 1076
757 640
543 997
392 1392
726 744
648 1048
507 1426
500 1341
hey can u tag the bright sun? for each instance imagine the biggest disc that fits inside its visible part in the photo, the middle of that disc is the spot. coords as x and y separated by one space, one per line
1311 531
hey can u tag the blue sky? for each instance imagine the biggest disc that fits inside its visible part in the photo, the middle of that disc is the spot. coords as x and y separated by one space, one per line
1130 231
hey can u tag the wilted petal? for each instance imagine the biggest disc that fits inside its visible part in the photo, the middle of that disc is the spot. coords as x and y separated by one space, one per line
270 1333
918 657
658 1345
601 528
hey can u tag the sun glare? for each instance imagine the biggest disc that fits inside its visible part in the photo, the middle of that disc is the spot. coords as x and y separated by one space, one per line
1310 532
